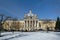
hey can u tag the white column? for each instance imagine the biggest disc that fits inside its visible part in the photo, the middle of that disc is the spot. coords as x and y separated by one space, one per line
29 24
35 24
25 25
32 24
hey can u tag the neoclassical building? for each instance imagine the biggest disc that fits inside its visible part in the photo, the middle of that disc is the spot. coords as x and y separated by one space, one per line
30 23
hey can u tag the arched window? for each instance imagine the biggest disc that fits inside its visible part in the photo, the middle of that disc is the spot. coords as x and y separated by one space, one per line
39 25
33 23
36 23
30 17
28 23
25 23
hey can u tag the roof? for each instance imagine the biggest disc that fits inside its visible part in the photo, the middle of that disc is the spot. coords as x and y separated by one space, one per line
47 20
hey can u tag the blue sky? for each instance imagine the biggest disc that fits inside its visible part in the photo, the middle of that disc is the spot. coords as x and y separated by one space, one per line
45 9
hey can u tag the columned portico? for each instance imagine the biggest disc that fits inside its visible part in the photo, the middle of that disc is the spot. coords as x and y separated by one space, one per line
30 21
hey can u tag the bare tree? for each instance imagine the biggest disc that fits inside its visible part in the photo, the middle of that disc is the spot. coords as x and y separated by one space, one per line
2 20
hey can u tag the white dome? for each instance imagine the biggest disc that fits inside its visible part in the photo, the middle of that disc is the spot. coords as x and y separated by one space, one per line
30 13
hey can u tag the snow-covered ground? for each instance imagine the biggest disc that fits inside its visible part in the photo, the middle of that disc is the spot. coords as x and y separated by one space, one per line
30 36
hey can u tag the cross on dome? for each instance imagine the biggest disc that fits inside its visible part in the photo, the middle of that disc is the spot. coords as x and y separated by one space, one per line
30 12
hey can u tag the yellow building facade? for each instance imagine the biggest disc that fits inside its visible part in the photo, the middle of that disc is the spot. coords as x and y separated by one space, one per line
30 23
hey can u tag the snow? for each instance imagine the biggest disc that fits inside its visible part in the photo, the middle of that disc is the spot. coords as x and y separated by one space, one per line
30 36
